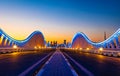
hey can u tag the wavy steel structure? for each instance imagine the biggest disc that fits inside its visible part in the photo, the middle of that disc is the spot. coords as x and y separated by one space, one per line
35 37
112 42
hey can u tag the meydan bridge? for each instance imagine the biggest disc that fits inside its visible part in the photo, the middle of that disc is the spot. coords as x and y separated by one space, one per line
80 40
32 57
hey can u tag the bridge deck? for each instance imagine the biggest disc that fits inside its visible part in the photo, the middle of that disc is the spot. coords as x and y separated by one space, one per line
57 66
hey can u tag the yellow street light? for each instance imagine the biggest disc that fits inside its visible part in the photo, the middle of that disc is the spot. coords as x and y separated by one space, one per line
87 48
80 48
101 49
35 47
15 47
39 47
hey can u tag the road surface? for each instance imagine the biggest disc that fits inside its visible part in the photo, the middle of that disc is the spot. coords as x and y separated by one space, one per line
57 66
14 64
98 65
59 63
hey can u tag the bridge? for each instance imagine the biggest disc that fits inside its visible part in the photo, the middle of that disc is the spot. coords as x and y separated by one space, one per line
36 39
108 47
80 40
30 57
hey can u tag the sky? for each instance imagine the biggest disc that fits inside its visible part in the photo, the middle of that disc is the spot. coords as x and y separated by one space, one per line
60 19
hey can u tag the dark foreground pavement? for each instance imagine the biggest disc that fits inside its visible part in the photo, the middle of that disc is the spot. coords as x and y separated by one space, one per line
14 64
99 65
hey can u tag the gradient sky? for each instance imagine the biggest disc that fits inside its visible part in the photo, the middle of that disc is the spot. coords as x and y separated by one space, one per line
60 19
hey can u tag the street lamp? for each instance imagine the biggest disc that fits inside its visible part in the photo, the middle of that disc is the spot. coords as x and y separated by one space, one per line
101 49
15 47
35 47
88 49
39 47
80 48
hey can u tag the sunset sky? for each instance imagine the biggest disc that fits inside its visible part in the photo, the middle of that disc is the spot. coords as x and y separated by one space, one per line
60 19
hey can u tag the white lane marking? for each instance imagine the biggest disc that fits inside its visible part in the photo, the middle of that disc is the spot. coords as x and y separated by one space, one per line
31 67
80 66
42 69
71 68
40 72
50 58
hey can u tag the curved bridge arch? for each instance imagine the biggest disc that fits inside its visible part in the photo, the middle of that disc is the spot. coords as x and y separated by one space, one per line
7 41
111 42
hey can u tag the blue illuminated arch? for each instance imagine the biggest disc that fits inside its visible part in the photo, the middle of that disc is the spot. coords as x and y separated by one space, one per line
98 44
21 42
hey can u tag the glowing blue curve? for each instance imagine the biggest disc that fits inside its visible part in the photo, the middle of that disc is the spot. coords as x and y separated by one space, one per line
109 40
21 42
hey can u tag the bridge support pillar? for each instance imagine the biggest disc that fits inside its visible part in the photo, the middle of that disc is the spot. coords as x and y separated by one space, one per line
3 41
113 44
117 42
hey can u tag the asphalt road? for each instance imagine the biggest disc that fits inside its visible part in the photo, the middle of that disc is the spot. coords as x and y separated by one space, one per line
57 66
99 65
15 63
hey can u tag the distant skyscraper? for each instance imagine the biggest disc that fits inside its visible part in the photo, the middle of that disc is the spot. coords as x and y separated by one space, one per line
56 42
48 44
65 42
51 44
104 35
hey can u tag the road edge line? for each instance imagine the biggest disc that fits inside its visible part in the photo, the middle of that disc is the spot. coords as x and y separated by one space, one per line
80 66
34 65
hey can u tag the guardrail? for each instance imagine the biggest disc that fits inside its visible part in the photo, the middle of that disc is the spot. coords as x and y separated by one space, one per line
105 52
11 50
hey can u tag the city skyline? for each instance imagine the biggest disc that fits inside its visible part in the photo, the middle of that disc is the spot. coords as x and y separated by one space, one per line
59 20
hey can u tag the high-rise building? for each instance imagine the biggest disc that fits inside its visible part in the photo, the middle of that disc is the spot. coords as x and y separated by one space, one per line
104 35
48 44
65 42
51 44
